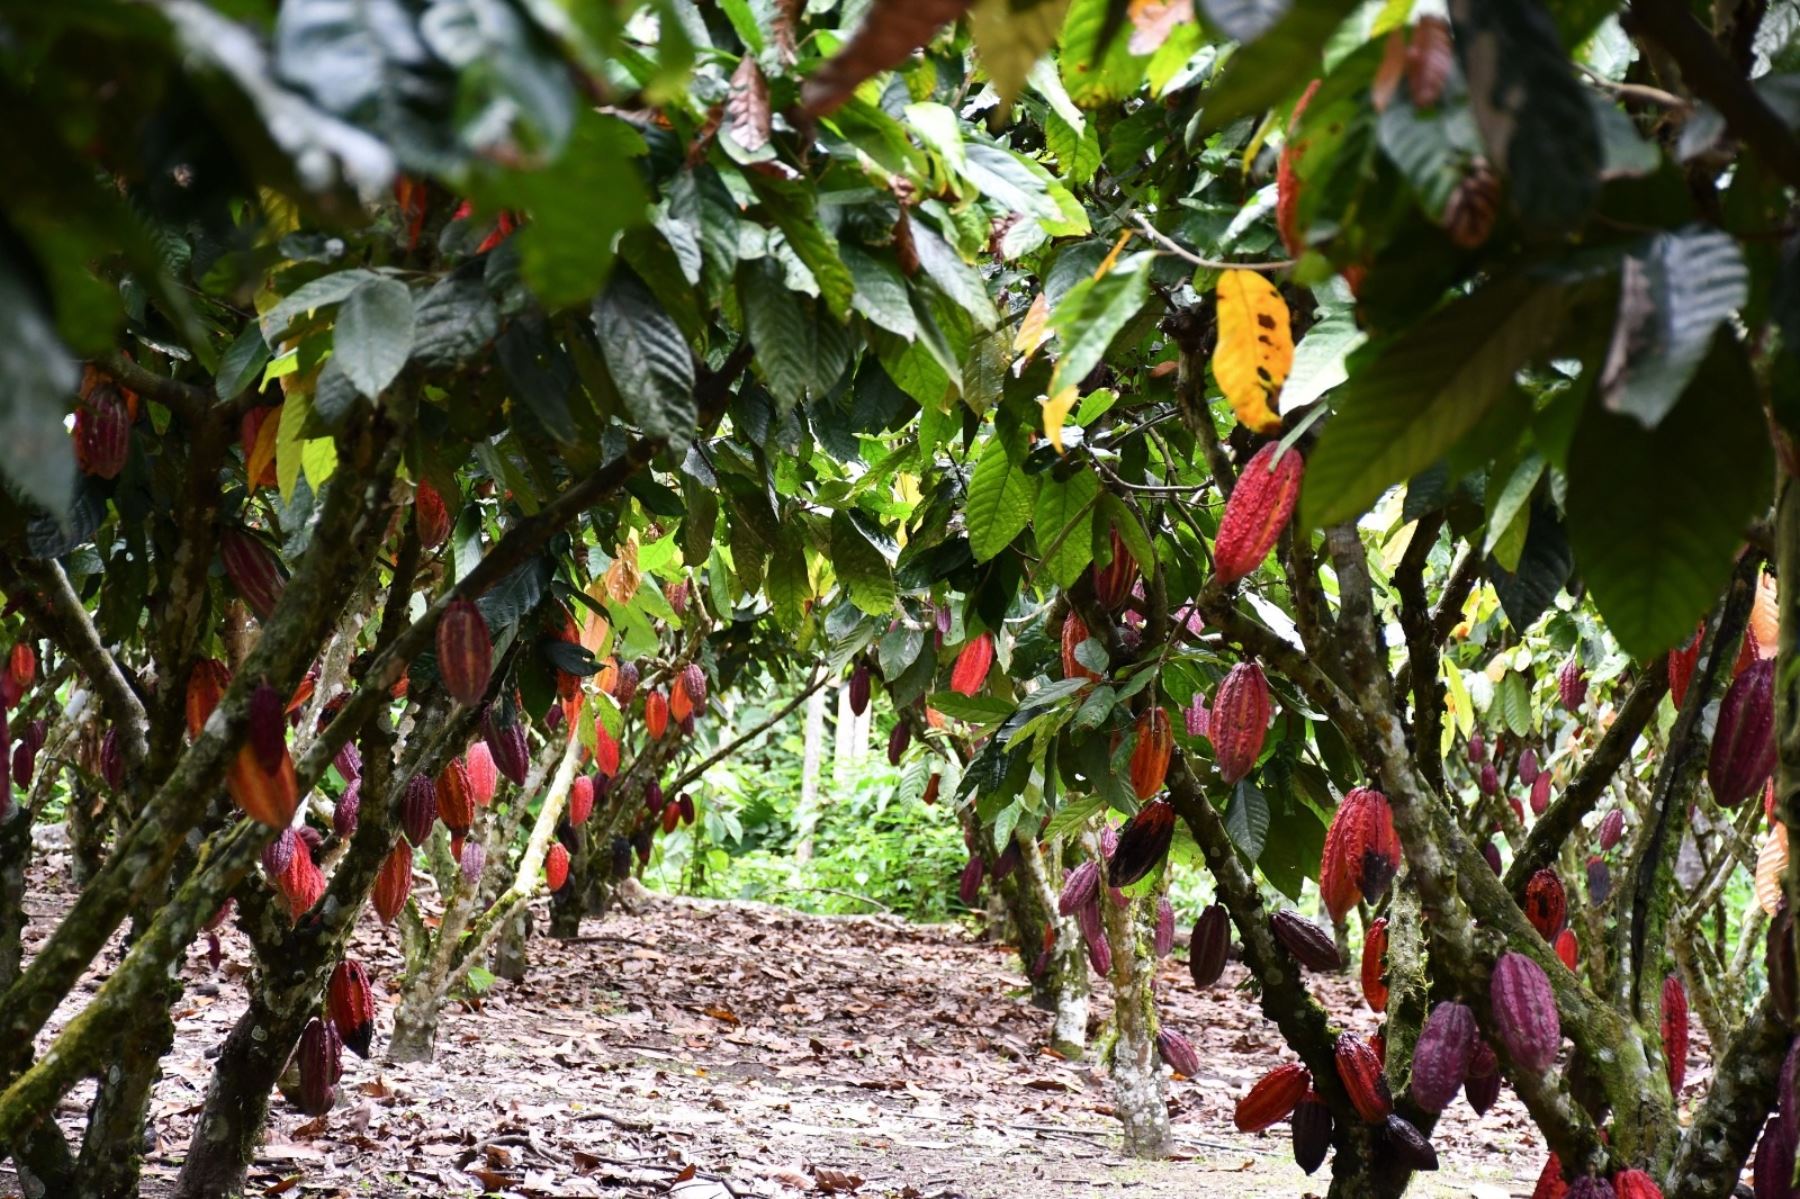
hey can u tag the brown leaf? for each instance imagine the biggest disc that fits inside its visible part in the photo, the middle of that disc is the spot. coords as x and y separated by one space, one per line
890 32
748 107
721 1013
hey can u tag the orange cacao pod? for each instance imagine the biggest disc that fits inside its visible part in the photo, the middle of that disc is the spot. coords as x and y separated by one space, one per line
1362 851
1360 1071
656 715
1150 758
455 798
1525 1013
1374 965
1114 581
206 686
1074 633
1546 903
556 867
270 797
255 434
1239 720
1287 186
21 665
351 1002
1674 1024
394 883
1143 843
1259 508
931 788
432 515
254 570
1272 1097
465 651
971 669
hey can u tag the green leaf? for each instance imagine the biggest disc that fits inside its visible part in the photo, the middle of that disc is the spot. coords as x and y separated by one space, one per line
1001 495
780 328
1656 516
36 454
648 359
373 336
322 292
972 709
959 281
1319 359
241 363
1063 523
1073 815
455 320
1512 702
1276 64
880 291
789 585
1508 503
1088 318
1398 414
1672 295
1122 520
795 210
1011 37
861 567
1247 819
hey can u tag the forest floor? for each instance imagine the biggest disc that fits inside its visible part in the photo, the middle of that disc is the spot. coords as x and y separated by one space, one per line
711 1050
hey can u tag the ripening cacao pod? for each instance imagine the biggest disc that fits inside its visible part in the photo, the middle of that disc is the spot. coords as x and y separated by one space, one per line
1674 1025
465 651
1178 1052
505 741
1589 1187
1546 903
1362 852
1378 1042
1197 717
472 858
112 759
1093 934
351 1002
254 570
971 669
484 776
898 742
1635 1184
21 665
1682 663
1441 1056
1540 794
1787 1095
931 788
345 812
261 795
1162 941
1490 853
1528 766
1550 1184
1074 635
656 715
1482 1085
1488 779
455 804
394 883
1311 945
1568 949
1360 1071
418 809
24 765
653 798
1209 946
1080 885
1007 862
1525 1013
1599 880
206 686
1571 685
102 433
1311 1124
625 686
1374 965
1429 61
267 727
1143 843
432 516
321 1065
1743 747
556 867
1113 582
670 816
692 681
1409 1145
278 854
969 885
1778 963
1239 720
1477 749
1259 508
1272 1098
1612 827
1150 757
581 800
304 884
859 688
348 761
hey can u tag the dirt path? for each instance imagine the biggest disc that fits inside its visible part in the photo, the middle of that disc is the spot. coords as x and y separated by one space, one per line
709 1050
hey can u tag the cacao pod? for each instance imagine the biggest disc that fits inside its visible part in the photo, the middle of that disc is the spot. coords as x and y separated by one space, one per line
1488 779
1007 862
1546 903
1477 749
21 665
1162 941
1482 1086
1635 1184
931 789
1362 852
206 686
1114 581
343 815
1288 182
1150 757
267 727
1674 1024
1429 61
1378 1042
1743 747
971 669
321 1065
1312 1125
1178 1052
1540 794
1473 205
653 798
621 859
394 883
1197 717
1568 949
1360 1071
1599 881
1374 965
24 765
556 867
1311 945
859 688
254 570
625 687
278 854
1259 508
1612 828
1590 1187
1681 665
432 516
418 809
656 715
270 798
1093 934
692 681
1272 1098
465 651
484 775
1209 946
455 804
1571 685
1239 720
1410 1145
1773 1166
1074 635
581 800
102 433
1528 766
351 1002
472 858
348 761
1525 1013
1080 885
685 802
1143 843
1787 1095
1550 1184
1778 962
112 760
1490 853
898 742
687 725
671 816
1441 1056
968 887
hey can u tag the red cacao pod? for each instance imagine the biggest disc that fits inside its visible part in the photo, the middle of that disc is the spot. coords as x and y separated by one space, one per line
671 816
278 854
351 1002
1259 508
1681 665
1272 1098
465 651
484 777
1143 843
1074 635
321 1065
455 802
1674 1024
1209 946
1408 1144
1441 1056
102 433
1080 885
1743 747
346 810
581 800
1612 828
260 794
1362 852
1525 1015
21 665
1311 945
972 664
254 570
692 681
1178 1052
1150 757
1287 188
304 884
1546 903
656 715
556 867
1093 934
898 742
1162 940
1635 1184
1239 720
859 688
1312 1126
1550 1184
1374 965
1364 1082
1571 685
931 789
432 515
394 883
968 887
1568 948
1482 1086
1114 581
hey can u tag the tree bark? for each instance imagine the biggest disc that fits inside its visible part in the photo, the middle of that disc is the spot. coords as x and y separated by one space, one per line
1050 947
811 764
1139 1099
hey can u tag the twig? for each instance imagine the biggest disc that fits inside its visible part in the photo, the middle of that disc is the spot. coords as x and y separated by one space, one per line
732 747
1180 251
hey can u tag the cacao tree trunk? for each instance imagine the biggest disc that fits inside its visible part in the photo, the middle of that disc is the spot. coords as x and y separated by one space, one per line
812 763
569 905
1050 947
512 956
15 856
1134 1066
112 1151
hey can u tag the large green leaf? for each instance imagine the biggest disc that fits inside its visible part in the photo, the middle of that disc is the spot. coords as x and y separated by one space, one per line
35 453
1673 294
1656 516
373 336
1091 315
648 359
1275 65
880 291
1063 523
1247 819
1397 414
780 328
861 566
958 280
1001 495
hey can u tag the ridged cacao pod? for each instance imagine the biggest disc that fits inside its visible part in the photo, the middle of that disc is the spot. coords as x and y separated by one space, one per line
671 816
1074 635
1197 717
972 664
1374 965
484 775
1743 747
1311 1123
278 854
321 1065
1528 766
1488 779
1590 1187
348 761
1778 963
1787 1095
1178 1052
1681 666
21 665
112 759
656 715
418 809
1546 903
1410 1145
1007 862
898 742
472 859
1143 844
506 745
1272 1098
581 800
556 867
1093 934
1113 582
1571 685
455 803
1674 1025
968 887
351 1001
931 789
626 687
1259 508
1482 1086
1612 828
432 516
1568 949
1525 1012
1378 1042
1429 61
1362 852
270 798
1540 794
465 651
254 570
1599 881
692 681
394 883
206 686
1490 853
1080 886
1209 946
1364 1082
1477 749
1774 1163
267 727
1441 1056
1550 1184
346 810
859 688
1635 1184
653 798
1311 945
1150 757
102 433
1239 720
1162 940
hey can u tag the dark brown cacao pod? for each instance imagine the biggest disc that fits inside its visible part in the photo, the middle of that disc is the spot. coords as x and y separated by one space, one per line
1441 1056
1272 1097
1364 1082
1409 1144
1311 945
1209 946
898 742
859 688
351 1002
1525 1015
1312 1125
1143 843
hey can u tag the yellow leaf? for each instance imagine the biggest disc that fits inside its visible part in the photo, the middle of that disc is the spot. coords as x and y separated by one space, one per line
1106 264
1771 866
1034 330
622 576
1056 411
1255 350
263 452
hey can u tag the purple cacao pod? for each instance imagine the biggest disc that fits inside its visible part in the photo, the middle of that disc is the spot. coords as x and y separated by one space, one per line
1571 684
1477 749
625 690
1209 946
1774 1163
1490 853
278 854
1178 1052
1528 766
1540 793
1164 939
1599 881
1525 1014
418 811
898 741
506 744
1743 747
1488 779
1094 934
1080 885
343 816
474 857
321 1065
1441 1056
348 761
1311 945
1007 862
969 889
1312 1127
1612 827
1590 1187
1409 1145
